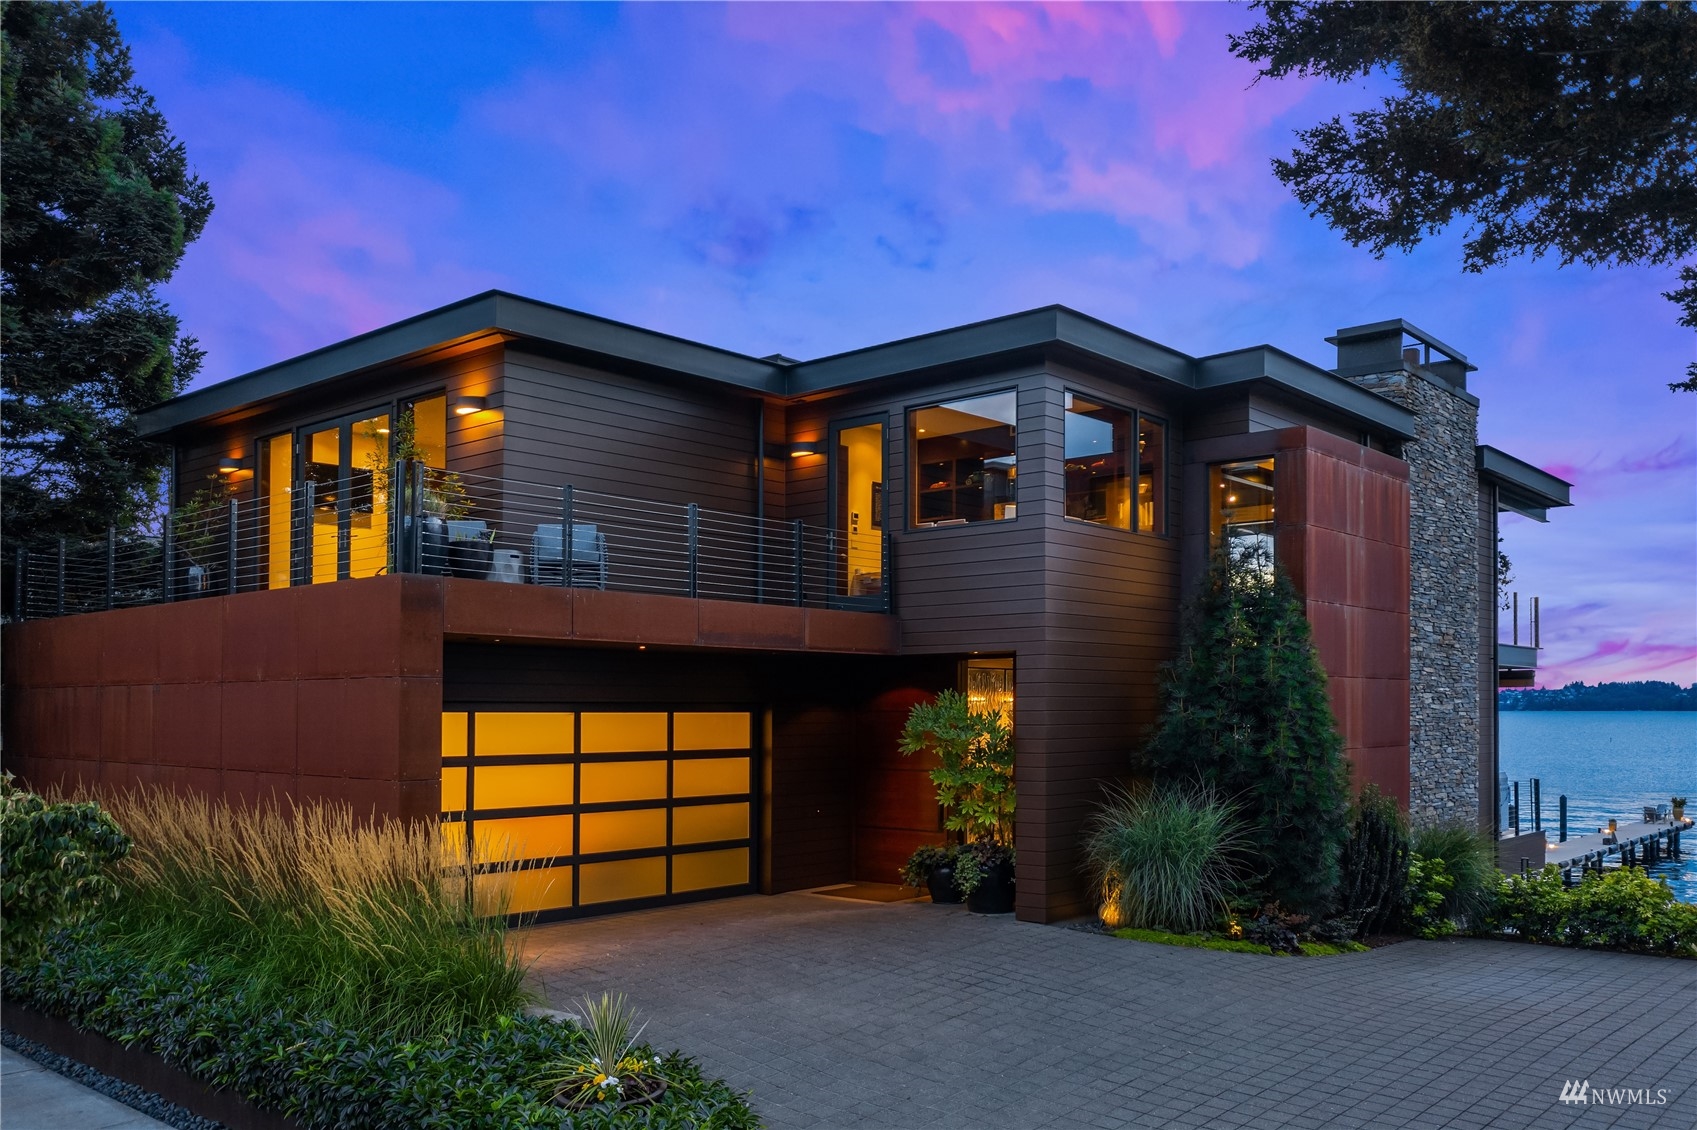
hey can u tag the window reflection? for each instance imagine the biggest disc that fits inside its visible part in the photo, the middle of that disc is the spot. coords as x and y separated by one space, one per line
1098 471
1242 506
964 461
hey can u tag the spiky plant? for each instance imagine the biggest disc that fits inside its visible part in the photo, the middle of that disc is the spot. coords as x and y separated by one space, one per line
607 1066
1470 859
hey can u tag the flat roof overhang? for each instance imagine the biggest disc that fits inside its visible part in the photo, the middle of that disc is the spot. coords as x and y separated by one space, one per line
497 317
1521 487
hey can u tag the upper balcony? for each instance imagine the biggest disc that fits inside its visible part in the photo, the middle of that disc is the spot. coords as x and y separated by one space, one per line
569 563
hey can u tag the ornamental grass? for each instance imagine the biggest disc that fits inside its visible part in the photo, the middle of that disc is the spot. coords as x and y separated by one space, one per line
305 908
1165 858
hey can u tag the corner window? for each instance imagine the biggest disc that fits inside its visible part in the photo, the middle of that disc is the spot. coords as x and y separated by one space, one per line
1105 473
963 460
1242 506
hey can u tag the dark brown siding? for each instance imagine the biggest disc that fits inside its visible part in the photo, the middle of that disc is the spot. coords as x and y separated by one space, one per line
625 435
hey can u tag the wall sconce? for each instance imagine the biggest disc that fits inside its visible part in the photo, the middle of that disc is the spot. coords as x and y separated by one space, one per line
467 405
230 464
809 447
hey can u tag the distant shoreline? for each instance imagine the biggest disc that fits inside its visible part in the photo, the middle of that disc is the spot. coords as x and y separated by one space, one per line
1640 696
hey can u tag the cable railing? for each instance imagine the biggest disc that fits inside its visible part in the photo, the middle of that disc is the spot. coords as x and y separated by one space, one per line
409 518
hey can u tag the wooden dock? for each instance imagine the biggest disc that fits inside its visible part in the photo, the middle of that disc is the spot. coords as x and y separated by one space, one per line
1636 843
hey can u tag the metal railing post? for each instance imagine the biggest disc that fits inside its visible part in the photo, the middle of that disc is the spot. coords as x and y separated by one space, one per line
797 536
568 533
398 516
1514 806
111 565
1561 807
20 565
1535 643
1537 805
1515 600
694 549
300 571
168 557
415 511
59 592
231 540
887 575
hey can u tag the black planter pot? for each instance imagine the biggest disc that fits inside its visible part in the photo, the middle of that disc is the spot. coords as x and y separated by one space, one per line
941 884
470 558
994 892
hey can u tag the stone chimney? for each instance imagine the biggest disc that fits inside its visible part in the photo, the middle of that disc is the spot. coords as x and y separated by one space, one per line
1414 369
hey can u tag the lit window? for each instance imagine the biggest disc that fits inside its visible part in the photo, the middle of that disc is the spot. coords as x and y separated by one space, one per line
1098 466
1242 510
963 460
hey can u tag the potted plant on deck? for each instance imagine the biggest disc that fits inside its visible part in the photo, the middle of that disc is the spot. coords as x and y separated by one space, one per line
933 867
974 779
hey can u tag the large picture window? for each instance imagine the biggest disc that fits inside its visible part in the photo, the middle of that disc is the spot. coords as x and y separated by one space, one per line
963 460
1105 472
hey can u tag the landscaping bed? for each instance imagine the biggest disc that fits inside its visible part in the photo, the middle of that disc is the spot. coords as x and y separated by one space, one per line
335 974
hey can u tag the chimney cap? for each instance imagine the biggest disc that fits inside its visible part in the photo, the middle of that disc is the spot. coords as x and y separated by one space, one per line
1395 331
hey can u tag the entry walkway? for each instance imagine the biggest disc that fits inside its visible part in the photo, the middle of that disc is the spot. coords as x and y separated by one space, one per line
842 1014
34 1098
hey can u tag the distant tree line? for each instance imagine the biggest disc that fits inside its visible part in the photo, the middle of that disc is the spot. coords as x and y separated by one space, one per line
1644 695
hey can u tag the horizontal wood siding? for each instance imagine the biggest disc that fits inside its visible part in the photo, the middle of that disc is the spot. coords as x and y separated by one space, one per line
627 435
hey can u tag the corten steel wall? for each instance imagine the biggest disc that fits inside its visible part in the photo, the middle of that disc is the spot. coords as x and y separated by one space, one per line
1343 535
323 691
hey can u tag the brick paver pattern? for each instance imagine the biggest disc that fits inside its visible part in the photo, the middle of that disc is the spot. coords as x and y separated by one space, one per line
842 1014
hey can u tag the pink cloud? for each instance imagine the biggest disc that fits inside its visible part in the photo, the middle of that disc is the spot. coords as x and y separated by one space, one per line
1622 660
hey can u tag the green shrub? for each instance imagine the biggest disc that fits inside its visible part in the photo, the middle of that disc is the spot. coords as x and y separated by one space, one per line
1244 706
331 1077
375 926
1470 860
974 775
1234 945
1430 885
916 872
1623 909
1374 863
54 858
1164 857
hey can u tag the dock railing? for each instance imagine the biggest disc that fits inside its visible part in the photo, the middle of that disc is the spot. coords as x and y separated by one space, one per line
410 518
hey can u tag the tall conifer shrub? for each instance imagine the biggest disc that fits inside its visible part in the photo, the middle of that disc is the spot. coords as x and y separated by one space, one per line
1244 708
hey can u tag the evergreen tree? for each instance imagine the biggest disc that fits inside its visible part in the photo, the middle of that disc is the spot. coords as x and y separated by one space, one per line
96 206
1244 708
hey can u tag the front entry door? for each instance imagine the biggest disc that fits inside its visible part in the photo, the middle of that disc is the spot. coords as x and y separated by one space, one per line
346 461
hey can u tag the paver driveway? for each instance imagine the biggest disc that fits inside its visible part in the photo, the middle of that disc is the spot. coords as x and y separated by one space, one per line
841 1014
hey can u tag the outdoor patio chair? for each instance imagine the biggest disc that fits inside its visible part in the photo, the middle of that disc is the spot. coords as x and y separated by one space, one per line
589 556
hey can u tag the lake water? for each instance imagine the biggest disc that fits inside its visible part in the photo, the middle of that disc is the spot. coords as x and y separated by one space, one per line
1610 764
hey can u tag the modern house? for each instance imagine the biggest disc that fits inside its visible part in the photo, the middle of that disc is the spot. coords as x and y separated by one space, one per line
654 612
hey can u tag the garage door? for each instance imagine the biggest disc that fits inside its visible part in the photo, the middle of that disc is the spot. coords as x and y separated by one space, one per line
605 810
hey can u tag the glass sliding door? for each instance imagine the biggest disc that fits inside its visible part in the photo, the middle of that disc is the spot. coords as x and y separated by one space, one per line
347 464
857 486
277 473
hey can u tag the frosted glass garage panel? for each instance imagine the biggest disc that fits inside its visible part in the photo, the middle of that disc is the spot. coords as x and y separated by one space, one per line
527 837
605 782
710 776
630 830
453 788
525 892
700 824
622 879
454 734
701 870
521 786
716 730
512 732
624 733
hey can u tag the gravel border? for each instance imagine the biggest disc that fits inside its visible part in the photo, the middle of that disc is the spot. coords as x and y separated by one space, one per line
129 1094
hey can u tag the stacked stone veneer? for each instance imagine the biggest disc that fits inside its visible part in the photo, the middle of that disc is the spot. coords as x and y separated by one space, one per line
1444 722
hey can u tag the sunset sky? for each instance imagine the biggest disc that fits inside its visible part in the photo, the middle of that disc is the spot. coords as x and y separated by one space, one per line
809 179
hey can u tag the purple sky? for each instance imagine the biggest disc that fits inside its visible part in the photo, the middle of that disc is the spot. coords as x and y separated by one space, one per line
808 179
